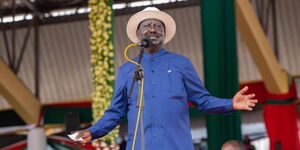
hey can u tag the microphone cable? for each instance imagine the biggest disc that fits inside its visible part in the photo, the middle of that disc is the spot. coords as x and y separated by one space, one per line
125 53
141 93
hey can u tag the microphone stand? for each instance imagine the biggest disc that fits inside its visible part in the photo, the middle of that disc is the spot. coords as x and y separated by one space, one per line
138 72
138 75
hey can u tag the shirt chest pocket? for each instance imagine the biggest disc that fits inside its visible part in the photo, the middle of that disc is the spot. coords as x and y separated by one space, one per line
175 80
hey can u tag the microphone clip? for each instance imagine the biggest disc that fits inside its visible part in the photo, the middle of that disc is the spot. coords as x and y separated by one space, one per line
145 43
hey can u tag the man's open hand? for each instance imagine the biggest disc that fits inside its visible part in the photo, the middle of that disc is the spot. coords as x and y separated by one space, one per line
243 102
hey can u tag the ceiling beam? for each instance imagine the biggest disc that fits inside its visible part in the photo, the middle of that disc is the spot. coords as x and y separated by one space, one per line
4 1
29 5
18 96
80 17
275 79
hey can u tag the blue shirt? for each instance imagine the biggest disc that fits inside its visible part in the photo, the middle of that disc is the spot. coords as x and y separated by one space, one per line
170 83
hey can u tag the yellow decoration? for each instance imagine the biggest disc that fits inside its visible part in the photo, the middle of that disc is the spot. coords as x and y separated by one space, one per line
100 24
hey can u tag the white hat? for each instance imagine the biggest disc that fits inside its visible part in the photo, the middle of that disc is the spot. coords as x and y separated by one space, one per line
151 13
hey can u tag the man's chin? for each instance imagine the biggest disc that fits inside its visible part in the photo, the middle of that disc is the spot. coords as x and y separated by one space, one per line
156 43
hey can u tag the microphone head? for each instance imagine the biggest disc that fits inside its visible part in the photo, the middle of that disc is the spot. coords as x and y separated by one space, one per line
145 42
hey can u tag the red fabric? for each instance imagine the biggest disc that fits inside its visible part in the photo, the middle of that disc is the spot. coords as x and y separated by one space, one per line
258 88
87 104
68 142
285 96
281 121
281 125
262 94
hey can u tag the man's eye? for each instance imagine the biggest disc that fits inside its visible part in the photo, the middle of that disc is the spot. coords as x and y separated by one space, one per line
145 26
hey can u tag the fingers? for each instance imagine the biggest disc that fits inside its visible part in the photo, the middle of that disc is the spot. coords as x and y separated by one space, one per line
250 96
244 90
82 137
253 101
249 108
80 134
85 135
251 104
85 139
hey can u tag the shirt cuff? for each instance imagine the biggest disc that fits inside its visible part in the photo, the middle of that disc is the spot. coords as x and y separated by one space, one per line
229 107
94 132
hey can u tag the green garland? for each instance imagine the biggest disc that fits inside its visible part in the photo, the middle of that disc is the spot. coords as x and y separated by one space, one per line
102 60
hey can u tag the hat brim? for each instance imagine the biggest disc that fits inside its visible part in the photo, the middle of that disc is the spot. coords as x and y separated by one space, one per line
136 19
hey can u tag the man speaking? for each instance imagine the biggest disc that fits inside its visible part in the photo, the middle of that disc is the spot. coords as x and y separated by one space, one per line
170 82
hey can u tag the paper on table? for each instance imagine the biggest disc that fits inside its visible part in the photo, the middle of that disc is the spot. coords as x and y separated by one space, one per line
73 137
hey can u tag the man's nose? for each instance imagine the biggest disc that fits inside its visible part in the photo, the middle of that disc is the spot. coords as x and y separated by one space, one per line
152 29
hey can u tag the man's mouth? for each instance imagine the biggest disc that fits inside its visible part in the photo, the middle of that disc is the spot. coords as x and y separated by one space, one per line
153 37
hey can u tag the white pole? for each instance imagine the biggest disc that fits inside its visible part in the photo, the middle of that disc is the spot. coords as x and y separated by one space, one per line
36 139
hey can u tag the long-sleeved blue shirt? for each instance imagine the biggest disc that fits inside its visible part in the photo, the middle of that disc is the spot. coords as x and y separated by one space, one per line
170 83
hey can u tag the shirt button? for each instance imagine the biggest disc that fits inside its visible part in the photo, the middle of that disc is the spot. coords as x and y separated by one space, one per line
154 108
154 122
152 71
155 135
153 95
153 83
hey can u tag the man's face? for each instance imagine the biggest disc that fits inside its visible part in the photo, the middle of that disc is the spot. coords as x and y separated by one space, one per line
153 29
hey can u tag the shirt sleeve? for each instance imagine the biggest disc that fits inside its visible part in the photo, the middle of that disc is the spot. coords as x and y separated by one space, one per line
200 97
116 111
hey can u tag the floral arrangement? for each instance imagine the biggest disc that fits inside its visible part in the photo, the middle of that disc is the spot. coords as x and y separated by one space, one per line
102 61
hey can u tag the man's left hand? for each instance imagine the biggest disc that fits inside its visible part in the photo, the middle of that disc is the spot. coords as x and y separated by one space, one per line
241 101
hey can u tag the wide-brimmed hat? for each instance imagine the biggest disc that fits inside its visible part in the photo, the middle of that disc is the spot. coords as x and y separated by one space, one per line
151 13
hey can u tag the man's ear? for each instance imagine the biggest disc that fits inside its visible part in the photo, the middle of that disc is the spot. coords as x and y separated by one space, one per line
137 32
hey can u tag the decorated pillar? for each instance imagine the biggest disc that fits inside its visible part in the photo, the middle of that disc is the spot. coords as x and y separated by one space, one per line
281 120
220 67
102 62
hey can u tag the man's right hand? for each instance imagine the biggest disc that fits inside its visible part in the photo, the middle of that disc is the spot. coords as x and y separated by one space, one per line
85 135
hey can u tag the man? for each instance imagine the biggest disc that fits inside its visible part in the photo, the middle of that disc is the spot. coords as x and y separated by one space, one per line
170 83
233 145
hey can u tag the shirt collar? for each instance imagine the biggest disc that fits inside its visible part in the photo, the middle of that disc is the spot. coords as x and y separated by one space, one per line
156 54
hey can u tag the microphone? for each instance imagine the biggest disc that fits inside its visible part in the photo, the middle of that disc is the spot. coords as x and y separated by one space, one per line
145 43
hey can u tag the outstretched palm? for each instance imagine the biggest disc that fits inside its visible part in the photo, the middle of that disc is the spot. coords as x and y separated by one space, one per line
243 102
